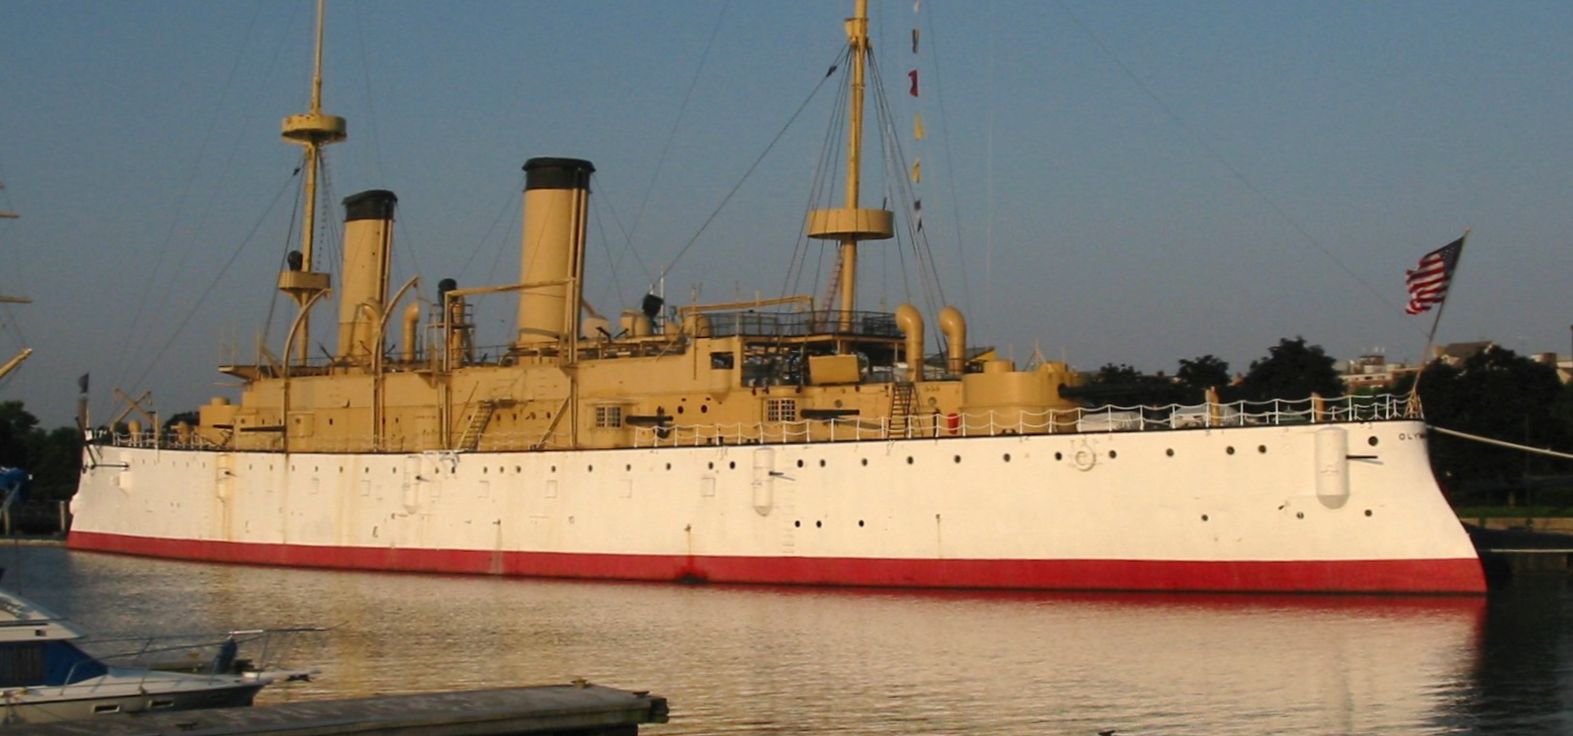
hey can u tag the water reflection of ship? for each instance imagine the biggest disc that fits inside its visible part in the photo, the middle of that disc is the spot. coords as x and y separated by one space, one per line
766 441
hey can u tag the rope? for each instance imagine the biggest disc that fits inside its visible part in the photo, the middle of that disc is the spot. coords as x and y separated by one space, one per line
1499 443
751 167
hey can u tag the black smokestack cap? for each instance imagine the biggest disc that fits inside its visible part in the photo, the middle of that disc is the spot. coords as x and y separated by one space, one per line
375 204
557 173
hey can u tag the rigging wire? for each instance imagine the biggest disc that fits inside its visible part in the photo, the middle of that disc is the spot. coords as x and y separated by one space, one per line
1218 157
132 327
235 254
672 135
616 263
510 206
932 41
751 167
818 183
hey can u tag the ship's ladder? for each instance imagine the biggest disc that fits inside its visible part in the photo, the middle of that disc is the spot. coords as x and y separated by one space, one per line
480 416
902 396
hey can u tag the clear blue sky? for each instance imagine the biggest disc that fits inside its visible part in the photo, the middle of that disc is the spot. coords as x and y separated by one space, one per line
1132 182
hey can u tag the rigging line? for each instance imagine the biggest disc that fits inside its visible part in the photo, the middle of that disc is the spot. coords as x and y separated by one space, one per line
235 254
628 241
514 200
817 186
751 167
932 43
676 123
933 292
1218 158
617 283
289 238
185 190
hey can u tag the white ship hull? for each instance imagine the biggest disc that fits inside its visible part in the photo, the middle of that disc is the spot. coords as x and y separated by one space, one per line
1219 509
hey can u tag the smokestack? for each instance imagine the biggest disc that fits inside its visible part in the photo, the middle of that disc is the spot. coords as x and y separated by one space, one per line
556 199
368 246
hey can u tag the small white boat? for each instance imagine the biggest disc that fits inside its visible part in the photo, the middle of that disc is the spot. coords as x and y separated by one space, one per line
45 676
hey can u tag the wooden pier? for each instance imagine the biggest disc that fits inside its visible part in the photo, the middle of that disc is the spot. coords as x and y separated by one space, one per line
579 709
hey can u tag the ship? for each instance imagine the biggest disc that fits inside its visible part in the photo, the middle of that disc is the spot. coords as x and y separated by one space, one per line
793 440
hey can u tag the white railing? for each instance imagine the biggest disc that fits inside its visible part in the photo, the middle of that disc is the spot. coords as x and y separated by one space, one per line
992 423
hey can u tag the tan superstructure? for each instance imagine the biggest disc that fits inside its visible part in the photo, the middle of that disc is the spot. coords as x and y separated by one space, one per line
566 382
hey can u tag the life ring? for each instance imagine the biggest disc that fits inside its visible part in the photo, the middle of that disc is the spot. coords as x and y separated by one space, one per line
1084 458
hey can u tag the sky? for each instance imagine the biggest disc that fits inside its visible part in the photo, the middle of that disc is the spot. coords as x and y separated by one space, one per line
1132 182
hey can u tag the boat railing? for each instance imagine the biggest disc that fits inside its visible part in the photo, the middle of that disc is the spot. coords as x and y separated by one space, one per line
213 656
979 423
996 422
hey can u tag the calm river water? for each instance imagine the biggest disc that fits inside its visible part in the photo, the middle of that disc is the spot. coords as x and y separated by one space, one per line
810 661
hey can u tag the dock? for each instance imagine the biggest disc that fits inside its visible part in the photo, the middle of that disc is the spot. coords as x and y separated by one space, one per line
578 709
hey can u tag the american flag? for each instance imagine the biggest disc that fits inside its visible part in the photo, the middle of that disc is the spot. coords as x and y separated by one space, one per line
1429 280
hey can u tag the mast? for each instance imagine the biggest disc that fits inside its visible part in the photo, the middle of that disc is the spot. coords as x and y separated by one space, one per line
310 130
851 224
10 365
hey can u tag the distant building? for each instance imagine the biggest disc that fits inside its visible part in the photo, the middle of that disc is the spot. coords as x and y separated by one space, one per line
1455 353
1373 372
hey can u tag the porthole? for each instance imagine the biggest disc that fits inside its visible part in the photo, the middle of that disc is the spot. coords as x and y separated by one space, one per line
1204 517
909 460
1368 512
800 463
668 466
1372 440
731 465
589 468
485 470
1229 449
554 468
1299 514
860 523
797 523
679 410
1113 454
517 469
956 458
821 462
1169 452
709 466
1007 457
819 524
704 408
628 467
1261 449
1058 456
865 462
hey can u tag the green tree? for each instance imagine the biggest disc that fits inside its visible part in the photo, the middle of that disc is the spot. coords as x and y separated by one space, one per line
1201 373
1499 394
1291 370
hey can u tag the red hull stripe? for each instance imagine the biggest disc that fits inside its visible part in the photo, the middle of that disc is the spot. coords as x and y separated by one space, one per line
1461 575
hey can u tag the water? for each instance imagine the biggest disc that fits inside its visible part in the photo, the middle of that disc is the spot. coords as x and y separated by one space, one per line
809 661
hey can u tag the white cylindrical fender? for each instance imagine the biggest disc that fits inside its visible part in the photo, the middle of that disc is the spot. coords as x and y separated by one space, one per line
764 480
1332 466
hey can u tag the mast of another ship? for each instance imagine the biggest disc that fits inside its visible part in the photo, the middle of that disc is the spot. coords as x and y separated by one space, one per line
310 130
850 224
16 360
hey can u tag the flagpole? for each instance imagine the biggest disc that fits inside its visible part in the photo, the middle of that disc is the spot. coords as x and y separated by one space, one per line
1425 360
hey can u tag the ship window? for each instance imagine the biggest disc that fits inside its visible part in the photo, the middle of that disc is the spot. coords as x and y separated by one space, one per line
780 410
721 361
22 664
608 416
